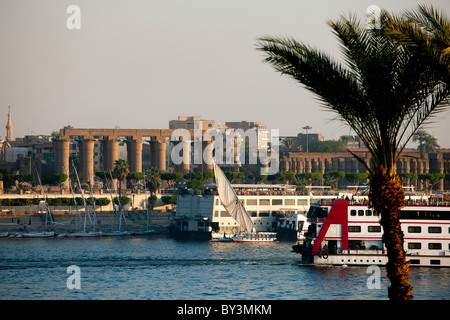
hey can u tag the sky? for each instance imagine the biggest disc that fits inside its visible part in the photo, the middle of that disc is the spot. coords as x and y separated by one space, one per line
142 63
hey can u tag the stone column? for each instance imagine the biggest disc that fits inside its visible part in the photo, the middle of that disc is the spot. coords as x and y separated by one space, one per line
61 158
158 154
207 151
308 165
185 153
86 147
110 153
134 154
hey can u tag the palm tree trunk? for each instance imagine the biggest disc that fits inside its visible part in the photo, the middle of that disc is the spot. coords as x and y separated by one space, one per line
387 197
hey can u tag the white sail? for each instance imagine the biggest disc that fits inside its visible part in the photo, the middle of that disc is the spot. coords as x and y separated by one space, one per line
231 201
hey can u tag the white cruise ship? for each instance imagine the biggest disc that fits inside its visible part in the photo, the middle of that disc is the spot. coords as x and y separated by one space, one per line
343 233
201 215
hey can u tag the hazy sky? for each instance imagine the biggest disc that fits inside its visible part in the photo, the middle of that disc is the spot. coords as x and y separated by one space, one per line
139 64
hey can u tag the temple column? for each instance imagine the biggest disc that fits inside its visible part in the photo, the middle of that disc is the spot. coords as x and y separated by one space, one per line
158 154
207 155
134 154
184 152
86 147
110 153
61 157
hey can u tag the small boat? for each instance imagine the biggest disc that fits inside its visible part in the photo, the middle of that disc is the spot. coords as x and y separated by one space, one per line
43 234
255 237
116 233
85 234
224 238
142 233
4 234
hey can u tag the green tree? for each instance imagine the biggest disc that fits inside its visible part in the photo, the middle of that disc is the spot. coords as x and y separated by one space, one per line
356 178
431 179
427 143
121 171
325 146
289 143
385 92
171 177
332 178
408 177
153 178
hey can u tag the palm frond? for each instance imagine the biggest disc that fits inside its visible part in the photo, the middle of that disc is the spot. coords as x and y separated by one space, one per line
386 89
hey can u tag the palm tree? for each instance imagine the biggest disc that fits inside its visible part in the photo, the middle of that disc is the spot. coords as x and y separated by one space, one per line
427 143
153 178
384 92
121 171
288 143
427 31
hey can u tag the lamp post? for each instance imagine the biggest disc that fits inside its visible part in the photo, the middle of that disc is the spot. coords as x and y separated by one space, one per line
307 128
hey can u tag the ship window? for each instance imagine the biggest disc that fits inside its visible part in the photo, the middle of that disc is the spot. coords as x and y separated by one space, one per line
368 212
289 202
414 245
435 246
414 229
216 213
253 214
360 212
277 202
302 202
353 212
264 214
252 202
264 202
414 261
374 228
354 228
225 214
435 261
434 229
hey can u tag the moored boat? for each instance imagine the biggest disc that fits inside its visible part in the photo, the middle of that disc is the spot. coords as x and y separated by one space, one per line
43 234
255 237
343 233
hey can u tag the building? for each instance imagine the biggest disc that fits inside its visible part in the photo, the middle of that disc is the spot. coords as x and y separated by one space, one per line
310 137
191 122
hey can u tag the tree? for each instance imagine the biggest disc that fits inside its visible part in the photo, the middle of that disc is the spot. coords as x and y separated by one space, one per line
170 177
121 171
288 143
427 143
153 178
385 92
430 179
326 146
332 178
408 177
356 177
307 178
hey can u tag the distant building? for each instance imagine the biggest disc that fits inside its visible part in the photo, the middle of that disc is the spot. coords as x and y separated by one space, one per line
190 123
310 136
263 136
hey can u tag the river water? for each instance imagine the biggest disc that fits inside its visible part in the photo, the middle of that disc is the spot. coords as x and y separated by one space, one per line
160 268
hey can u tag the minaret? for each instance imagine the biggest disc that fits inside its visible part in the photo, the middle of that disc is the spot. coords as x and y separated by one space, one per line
9 127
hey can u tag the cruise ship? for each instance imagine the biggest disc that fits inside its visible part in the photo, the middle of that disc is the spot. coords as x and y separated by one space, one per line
345 233
202 216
